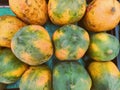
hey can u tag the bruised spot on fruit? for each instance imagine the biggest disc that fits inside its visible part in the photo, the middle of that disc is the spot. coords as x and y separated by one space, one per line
113 9
62 54
109 52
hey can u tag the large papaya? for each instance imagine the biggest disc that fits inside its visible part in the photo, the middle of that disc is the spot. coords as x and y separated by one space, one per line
63 12
102 15
101 47
71 76
11 68
36 78
9 25
32 45
71 42
30 11
104 75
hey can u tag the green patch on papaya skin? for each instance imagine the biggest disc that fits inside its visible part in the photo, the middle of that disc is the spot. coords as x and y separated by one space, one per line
72 39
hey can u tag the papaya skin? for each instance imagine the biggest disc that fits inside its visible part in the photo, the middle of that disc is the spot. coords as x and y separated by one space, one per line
102 15
30 11
9 25
104 75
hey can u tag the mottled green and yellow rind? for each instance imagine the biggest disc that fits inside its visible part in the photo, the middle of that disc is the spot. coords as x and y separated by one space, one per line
104 75
36 78
103 47
32 45
71 42
10 67
63 12
70 76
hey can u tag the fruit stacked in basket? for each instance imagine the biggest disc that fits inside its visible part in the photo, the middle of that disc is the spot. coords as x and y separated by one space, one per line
72 35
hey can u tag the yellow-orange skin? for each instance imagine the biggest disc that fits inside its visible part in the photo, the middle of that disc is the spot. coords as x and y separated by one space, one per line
30 11
9 25
102 15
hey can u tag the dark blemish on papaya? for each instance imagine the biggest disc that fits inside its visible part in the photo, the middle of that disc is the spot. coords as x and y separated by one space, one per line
10 22
6 39
113 9
3 18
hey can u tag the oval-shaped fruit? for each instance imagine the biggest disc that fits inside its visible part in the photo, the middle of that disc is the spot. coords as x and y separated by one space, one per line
10 67
32 45
30 11
36 78
9 25
71 42
105 76
102 15
103 47
71 76
63 12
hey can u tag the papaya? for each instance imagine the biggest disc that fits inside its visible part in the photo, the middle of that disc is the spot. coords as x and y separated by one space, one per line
70 76
103 47
63 12
71 42
32 45
11 68
104 75
36 78
30 11
102 15
9 25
